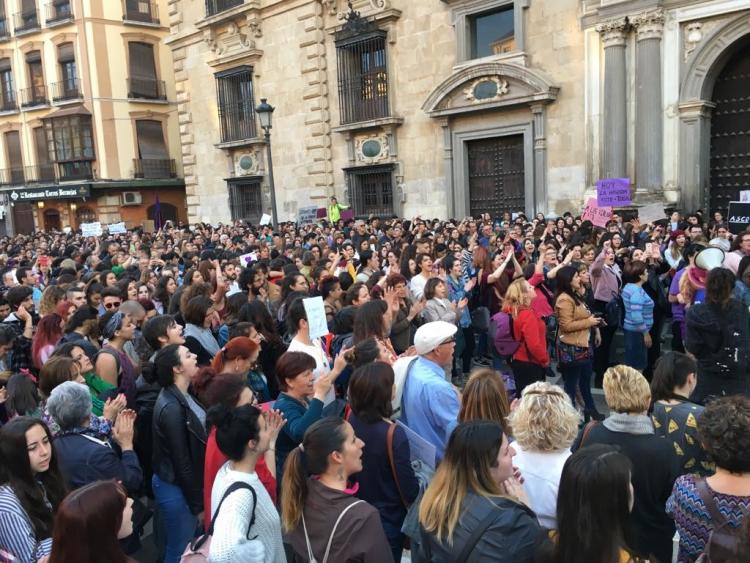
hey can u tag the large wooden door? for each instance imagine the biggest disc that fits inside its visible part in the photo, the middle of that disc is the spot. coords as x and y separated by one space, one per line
730 132
23 218
496 176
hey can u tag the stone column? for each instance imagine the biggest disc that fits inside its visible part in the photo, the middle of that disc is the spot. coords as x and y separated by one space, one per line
541 202
648 102
454 206
615 130
695 148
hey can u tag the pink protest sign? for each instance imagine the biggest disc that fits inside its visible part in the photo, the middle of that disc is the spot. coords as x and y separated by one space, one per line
597 215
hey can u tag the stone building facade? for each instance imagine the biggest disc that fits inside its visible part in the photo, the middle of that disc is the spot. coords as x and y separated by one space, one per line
668 98
88 123
395 107
447 107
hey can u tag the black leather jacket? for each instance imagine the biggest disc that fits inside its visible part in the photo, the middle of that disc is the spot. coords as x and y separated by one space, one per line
179 446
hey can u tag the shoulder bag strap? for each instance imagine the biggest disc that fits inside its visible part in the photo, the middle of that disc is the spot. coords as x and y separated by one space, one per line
391 459
471 543
237 485
701 487
586 431
336 525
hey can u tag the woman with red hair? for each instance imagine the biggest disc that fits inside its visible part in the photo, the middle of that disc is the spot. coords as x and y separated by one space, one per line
89 524
229 390
49 331
239 356
65 309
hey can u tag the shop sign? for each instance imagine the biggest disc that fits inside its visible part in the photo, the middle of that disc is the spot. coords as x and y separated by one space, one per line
60 192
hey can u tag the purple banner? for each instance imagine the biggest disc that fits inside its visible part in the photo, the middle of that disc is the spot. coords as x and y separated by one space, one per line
613 192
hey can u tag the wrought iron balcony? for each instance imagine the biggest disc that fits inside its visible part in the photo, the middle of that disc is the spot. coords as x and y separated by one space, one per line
34 96
154 168
12 176
27 21
40 173
214 7
8 101
59 12
147 89
69 89
141 11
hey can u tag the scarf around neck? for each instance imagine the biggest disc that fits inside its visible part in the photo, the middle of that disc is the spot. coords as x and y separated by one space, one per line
631 424
204 336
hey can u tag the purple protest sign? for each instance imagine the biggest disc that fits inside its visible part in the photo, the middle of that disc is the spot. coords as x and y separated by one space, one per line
613 192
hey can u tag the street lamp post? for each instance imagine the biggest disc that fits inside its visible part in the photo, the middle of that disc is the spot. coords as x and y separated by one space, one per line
265 112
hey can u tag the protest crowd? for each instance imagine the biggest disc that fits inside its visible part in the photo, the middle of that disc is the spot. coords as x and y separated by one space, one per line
379 389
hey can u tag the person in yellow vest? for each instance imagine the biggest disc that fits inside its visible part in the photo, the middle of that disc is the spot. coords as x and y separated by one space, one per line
334 210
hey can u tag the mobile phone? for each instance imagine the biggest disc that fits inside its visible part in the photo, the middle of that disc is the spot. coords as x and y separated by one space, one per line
649 248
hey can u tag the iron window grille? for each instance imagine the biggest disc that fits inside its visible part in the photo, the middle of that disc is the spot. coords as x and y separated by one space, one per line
234 90
363 79
371 190
214 7
246 200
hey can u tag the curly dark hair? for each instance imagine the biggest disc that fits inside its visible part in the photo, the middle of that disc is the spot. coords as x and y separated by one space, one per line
724 431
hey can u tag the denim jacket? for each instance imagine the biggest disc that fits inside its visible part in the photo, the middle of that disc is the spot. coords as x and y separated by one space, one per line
455 294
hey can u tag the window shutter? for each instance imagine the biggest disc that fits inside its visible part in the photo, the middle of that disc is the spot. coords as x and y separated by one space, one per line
65 53
28 6
2 9
141 57
34 57
40 142
4 64
151 140
13 146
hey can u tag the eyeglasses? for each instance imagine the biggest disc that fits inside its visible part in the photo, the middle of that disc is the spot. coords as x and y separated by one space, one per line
112 304
449 341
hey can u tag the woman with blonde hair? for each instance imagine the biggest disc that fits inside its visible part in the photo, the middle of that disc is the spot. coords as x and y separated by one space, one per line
531 360
544 423
485 398
474 506
655 463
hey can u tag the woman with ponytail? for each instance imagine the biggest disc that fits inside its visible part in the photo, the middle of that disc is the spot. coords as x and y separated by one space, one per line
239 356
320 517
243 434
674 416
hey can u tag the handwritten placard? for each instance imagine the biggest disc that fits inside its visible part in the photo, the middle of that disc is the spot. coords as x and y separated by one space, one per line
597 215
91 229
246 259
316 316
613 192
117 228
265 220
347 214
651 213
307 215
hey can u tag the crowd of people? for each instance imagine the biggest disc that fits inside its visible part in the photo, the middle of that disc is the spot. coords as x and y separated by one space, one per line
178 380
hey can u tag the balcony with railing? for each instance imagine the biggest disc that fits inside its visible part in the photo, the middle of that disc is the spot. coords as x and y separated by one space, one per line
34 96
8 101
40 173
66 90
154 168
12 176
140 11
75 170
147 89
4 29
27 21
214 7
58 13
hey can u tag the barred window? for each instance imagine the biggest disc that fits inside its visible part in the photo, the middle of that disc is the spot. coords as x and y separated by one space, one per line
371 190
214 7
234 90
363 78
245 200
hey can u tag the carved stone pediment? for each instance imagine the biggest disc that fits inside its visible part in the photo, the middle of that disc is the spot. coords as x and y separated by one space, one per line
488 86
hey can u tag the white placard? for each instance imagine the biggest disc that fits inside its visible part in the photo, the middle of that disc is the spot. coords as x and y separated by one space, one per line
419 448
316 317
651 213
245 259
265 220
117 228
307 215
91 229
745 196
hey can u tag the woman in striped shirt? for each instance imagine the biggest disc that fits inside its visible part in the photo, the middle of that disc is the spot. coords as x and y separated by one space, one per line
31 488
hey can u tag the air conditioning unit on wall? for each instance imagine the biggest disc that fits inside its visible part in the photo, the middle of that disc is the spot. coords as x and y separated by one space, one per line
132 198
